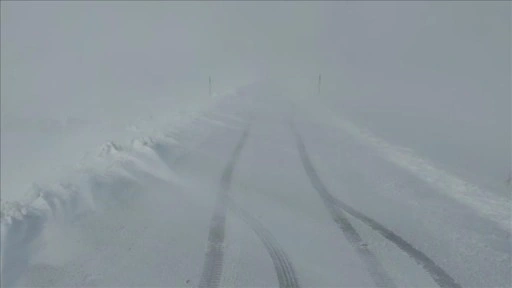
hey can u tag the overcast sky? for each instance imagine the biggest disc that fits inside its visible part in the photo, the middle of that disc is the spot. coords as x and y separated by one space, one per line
433 76
83 54
57 53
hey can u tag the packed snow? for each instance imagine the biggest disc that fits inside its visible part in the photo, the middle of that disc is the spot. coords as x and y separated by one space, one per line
139 214
124 166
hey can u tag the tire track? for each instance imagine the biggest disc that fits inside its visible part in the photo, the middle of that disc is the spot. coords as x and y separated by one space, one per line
376 270
336 208
283 266
214 257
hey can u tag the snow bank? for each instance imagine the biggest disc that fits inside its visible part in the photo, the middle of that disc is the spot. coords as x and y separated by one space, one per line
23 222
489 205
95 183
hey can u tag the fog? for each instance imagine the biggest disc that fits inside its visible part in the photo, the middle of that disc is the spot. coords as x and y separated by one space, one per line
97 54
118 168
434 77
431 76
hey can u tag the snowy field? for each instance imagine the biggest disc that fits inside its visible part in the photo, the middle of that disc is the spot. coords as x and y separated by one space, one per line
120 170
297 199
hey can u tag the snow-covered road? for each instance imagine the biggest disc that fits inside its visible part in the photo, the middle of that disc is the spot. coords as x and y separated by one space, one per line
260 191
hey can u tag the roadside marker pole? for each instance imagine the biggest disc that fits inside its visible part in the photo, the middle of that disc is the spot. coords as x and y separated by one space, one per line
210 86
319 83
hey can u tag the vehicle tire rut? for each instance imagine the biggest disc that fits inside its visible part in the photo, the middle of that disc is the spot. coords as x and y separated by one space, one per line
214 257
337 208
283 266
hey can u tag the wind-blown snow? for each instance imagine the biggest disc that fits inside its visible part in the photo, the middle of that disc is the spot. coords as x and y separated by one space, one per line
79 193
491 205
138 195
391 172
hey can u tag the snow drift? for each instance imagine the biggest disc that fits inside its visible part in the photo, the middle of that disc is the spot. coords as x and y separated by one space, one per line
100 181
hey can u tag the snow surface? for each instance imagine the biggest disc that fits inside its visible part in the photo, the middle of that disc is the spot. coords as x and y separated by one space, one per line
139 214
119 169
